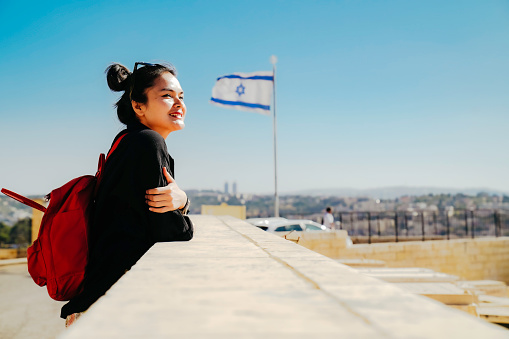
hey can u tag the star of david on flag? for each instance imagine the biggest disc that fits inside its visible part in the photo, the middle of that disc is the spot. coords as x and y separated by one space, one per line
250 92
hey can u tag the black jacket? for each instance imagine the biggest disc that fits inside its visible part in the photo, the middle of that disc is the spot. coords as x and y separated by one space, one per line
122 227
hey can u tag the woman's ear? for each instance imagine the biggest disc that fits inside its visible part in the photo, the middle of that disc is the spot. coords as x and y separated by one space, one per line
138 108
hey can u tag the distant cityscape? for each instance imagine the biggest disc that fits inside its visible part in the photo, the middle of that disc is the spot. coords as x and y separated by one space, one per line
312 205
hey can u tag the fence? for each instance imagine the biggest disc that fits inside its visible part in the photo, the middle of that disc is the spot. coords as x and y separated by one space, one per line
424 225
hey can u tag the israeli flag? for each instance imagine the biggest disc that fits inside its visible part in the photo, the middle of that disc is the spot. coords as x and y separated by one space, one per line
250 92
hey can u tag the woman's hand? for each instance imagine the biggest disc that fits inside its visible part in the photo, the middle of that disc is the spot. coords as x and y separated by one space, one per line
167 198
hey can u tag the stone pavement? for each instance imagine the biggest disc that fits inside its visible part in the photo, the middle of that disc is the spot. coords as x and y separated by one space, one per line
26 310
235 281
17 261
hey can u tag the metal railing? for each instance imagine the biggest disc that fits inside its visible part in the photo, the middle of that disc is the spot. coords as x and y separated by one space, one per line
424 225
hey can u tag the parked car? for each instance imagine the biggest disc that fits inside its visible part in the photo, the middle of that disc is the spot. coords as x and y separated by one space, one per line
286 225
299 225
264 223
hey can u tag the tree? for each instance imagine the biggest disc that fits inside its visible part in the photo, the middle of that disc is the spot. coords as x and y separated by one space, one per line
4 233
21 232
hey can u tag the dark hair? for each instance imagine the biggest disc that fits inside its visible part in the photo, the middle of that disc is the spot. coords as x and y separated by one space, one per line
328 209
134 85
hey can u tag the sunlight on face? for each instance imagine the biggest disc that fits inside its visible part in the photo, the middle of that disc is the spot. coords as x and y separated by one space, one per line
164 111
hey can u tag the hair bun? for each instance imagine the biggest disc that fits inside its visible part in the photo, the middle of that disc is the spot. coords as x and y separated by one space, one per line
117 76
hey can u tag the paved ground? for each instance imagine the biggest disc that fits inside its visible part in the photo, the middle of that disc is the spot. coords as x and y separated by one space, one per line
26 310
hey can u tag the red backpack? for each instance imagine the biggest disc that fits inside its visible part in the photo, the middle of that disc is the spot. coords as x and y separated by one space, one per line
59 255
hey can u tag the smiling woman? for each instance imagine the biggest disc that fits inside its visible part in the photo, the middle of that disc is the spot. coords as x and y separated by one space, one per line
138 202
164 110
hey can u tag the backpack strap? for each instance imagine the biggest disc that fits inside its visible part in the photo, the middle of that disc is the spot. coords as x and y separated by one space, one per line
23 200
114 147
102 158
102 161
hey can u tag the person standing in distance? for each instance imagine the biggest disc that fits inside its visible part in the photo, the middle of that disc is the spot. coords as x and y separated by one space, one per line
328 218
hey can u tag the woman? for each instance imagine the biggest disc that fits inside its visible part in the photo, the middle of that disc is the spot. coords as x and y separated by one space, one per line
137 200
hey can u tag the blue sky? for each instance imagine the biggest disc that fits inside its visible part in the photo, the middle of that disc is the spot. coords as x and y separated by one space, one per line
370 93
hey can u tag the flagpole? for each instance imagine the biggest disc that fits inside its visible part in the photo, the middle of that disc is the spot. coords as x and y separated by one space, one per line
273 60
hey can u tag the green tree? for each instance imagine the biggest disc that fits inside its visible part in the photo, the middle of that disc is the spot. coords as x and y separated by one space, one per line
4 233
21 232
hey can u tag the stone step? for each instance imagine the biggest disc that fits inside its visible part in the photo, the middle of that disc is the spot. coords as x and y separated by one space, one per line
489 300
446 293
499 315
489 287
411 274
361 262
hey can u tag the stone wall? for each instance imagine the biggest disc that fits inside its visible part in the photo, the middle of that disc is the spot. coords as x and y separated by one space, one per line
471 259
12 253
233 280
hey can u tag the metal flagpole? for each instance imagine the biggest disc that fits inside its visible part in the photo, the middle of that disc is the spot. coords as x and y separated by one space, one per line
273 60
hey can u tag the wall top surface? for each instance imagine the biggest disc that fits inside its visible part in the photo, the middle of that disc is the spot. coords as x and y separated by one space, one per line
234 280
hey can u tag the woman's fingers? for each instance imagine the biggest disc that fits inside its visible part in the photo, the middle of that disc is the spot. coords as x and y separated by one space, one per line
159 197
169 187
160 209
160 190
160 203
166 198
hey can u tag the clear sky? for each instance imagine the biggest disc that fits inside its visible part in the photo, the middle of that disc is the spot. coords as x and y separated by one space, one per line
369 93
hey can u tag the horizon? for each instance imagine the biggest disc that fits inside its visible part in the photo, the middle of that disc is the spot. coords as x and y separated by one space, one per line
356 192
369 94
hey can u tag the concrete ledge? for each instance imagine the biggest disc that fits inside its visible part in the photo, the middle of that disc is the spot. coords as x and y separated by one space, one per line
235 281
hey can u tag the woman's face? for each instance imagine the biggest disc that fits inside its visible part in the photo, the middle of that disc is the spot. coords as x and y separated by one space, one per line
164 111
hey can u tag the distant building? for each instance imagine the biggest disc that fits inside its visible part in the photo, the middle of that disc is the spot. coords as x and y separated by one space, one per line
224 209
226 188
234 188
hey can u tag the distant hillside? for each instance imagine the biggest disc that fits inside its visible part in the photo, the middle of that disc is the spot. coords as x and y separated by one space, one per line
11 211
393 192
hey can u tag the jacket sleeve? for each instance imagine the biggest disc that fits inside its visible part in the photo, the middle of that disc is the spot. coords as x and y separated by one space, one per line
169 226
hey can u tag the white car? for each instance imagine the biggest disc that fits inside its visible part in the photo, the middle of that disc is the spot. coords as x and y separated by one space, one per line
265 222
285 225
